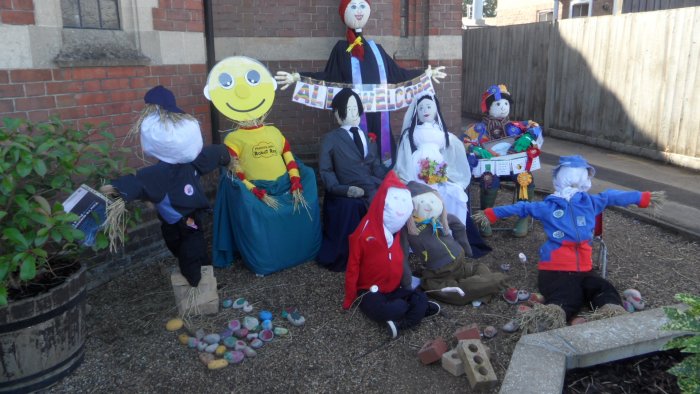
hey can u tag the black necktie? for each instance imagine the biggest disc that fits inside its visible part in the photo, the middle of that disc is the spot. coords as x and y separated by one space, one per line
358 141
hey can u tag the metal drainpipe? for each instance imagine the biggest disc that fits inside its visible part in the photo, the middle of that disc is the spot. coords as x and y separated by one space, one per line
211 61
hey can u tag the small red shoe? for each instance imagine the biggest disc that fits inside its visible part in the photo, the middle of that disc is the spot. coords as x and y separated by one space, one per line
523 309
511 295
535 298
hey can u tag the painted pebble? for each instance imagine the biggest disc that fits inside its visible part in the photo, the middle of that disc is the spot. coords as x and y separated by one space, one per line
266 335
280 331
256 343
202 346
240 345
251 323
227 303
226 333
200 334
174 324
251 336
184 339
490 331
230 342
212 339
267 325
220 350
217 364
523 295
247 308
241 333
265 315
249 352
239 303
234 357
511 326
192 343
234 325
206 358
296 318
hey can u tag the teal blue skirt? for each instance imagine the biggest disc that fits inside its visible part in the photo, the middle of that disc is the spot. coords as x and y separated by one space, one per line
266 239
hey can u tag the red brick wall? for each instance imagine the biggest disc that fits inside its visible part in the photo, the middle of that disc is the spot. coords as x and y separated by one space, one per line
100 94
445 18
17 12
289 18
179 15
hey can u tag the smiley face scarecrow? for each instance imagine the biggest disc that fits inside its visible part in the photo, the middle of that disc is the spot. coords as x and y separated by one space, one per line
267 191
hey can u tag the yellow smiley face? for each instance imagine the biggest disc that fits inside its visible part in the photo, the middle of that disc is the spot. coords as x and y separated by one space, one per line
241 88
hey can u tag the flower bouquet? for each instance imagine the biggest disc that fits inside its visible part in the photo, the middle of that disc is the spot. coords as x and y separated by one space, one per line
432 172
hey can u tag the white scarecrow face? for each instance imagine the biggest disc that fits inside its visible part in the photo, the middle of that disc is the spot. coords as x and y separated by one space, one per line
427 205
352 116
499 108
426 111
356 14
397 208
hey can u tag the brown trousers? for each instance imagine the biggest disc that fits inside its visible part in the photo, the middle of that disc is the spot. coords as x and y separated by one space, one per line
475 279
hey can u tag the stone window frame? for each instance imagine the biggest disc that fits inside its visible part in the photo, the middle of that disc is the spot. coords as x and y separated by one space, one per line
93 47
80 17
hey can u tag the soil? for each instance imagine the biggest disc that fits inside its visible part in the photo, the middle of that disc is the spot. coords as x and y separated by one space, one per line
47 278
129 350
641 374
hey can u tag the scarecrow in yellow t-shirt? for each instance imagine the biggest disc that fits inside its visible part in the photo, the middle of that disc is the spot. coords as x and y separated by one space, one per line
264 174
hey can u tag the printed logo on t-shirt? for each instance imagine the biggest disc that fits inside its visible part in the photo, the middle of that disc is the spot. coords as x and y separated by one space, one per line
189 190
264 149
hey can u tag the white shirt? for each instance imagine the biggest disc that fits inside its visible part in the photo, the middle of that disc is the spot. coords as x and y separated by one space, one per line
362 137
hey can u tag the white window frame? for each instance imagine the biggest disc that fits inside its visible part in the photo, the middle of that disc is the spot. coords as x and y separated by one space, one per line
545 12
580 2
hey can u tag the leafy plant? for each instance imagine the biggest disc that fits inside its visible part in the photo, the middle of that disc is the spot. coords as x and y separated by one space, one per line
688 371
40 165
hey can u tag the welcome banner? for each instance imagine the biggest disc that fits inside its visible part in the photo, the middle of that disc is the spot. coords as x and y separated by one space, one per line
375 97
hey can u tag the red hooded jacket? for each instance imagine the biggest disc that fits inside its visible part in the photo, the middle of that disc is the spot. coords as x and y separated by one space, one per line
372 261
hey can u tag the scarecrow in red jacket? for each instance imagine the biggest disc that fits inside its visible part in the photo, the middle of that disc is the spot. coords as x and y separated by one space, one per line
376 265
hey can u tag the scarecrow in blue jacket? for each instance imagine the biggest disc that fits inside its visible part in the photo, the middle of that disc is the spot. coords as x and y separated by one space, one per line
566 279
173 184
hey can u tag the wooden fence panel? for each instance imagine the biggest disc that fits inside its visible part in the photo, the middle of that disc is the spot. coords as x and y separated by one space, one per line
629 81
512 55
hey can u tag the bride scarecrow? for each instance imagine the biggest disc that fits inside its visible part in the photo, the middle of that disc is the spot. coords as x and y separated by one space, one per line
267 205
429 154
360 61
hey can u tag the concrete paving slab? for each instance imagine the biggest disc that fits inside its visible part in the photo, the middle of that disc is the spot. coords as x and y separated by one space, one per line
540 361
534 370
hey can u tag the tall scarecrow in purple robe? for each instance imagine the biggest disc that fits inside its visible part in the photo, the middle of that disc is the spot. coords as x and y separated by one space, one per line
360 61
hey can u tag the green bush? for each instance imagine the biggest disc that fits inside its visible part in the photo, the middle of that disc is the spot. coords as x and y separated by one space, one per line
688 371
40 165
